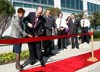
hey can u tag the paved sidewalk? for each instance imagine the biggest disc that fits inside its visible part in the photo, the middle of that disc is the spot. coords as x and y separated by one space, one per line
8 48
66 53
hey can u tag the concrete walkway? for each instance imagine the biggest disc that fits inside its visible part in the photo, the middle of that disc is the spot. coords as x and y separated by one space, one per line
66 53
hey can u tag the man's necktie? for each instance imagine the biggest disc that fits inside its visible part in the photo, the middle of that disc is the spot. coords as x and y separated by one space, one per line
60 23
83 23
35 22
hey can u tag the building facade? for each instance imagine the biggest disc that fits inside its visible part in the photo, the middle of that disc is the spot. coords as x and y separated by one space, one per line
67 6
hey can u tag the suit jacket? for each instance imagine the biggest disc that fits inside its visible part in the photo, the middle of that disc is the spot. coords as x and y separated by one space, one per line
17 31
73 27
50 22
39 29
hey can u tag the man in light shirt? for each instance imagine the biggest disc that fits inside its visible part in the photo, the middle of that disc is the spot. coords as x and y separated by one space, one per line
61 26
85 24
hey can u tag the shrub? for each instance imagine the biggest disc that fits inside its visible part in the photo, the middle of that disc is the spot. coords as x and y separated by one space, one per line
10 57
97 34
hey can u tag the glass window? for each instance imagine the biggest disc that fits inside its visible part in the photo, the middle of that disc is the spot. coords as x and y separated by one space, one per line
81 5
18 4
92 7
35 6
20 0
63 3
36 1
98 7
50 2
44 7
77 4
28 0
72 4
28 5
68 3
89 7
44 1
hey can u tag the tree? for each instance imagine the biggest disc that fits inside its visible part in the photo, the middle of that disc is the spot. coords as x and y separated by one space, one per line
95 19
54 11
6 13
79 16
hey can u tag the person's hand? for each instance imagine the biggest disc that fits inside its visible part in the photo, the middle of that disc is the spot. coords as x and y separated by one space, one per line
62 28
36 36
55 29
30 36
30 25
52 28
67 22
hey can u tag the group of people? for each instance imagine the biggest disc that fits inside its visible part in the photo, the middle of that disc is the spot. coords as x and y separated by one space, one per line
37 24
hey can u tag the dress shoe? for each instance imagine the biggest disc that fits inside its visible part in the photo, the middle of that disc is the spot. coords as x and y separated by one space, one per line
78 48
51 54
73 48
46 55
33 62
19 67
42 63
65 47
22 66
87 42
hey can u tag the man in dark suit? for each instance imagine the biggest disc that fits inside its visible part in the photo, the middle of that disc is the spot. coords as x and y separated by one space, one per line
35 27
73 27
49 27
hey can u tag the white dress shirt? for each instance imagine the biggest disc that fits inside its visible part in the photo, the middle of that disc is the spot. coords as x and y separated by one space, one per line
85 23
61 23
73 20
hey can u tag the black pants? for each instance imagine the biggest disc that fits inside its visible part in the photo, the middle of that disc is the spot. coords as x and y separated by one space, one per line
61 41
85 38
74 41
35 51
48 47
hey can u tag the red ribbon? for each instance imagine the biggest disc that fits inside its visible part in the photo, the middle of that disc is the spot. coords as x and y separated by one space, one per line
35 39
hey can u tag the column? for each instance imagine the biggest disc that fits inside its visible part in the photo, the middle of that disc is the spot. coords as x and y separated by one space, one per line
57 3
85 8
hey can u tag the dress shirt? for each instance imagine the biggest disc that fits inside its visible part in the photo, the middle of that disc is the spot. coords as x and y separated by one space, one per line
85 23
61 23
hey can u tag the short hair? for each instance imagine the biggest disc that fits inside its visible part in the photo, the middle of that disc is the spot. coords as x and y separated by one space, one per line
39 7
60 13
21 10
85 15
47 10
68 18
73 14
